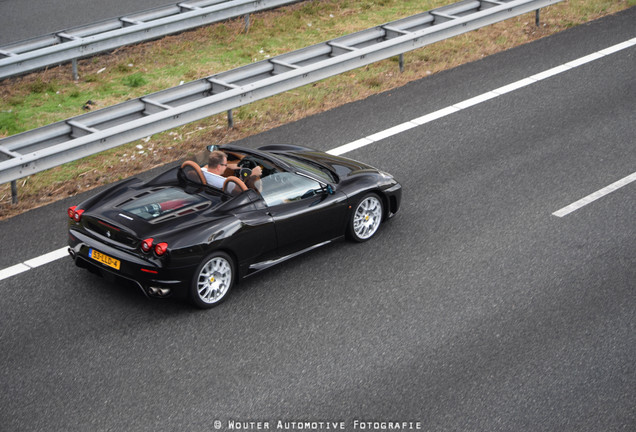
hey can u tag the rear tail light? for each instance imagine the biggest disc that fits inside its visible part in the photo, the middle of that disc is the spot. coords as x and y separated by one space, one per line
77 215
161 248
146 245
71 211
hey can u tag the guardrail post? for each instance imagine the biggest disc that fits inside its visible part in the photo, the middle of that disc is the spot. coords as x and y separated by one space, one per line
230 120
14 192
247 23
537 17
75 74
401 62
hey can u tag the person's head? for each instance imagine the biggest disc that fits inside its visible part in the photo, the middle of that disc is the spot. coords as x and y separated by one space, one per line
217 162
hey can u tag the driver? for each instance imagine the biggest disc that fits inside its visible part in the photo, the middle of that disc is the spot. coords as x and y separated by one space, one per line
215 170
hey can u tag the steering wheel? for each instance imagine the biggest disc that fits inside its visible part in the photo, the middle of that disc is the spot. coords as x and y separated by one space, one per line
244 174
247 162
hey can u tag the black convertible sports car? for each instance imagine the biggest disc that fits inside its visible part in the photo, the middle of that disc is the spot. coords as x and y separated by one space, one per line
176 235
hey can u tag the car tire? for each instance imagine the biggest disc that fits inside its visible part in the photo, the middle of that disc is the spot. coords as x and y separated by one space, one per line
213 280
366 218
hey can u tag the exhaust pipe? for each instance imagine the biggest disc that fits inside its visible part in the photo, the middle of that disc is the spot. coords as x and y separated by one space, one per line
158 292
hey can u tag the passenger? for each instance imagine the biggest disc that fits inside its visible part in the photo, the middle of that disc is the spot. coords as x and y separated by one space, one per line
215 171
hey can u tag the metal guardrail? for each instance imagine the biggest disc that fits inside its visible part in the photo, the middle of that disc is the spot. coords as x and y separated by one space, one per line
48 146
69 45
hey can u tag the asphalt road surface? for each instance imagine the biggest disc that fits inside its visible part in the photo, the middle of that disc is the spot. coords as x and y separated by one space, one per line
475 308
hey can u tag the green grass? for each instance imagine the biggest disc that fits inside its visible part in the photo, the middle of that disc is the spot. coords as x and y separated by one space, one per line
9 122
135 80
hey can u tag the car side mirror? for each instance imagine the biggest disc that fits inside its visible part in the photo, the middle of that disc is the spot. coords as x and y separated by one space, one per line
212 147
329 189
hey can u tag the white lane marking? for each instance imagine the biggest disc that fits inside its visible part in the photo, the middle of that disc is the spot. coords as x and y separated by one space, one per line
392 131
47 258
363 142
480 98
33 263
617 47
435 115
346 148
476 100
514 86
594 196
13 270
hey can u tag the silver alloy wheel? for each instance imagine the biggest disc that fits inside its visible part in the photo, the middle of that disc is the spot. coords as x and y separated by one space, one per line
367 217
215 279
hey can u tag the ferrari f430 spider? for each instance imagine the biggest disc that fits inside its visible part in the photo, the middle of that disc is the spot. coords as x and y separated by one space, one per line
177 235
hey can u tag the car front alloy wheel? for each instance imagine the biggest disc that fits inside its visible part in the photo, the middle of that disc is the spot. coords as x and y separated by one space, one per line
366 218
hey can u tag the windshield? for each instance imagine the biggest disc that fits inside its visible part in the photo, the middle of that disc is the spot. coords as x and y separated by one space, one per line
286 187
162 202
306 165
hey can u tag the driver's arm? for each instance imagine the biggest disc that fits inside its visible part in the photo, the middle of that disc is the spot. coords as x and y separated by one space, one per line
257 171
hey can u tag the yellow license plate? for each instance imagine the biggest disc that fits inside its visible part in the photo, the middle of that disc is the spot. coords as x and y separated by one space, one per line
104 259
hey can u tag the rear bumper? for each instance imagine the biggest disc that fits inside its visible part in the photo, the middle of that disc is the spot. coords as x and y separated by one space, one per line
153 280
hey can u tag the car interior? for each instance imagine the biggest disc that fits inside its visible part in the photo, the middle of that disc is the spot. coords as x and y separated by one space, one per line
275 186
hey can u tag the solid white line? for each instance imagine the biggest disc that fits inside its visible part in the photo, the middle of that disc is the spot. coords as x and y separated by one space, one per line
33 263
550 73
594 196
47 258
480 98
362 142
346 148
618 47
476 100
392 131
435 115
13 270
514 86
584 60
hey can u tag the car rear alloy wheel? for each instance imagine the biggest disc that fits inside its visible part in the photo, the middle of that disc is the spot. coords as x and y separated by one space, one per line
366 218
213 280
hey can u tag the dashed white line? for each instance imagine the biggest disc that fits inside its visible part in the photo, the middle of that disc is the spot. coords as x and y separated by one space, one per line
594 196
346 148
